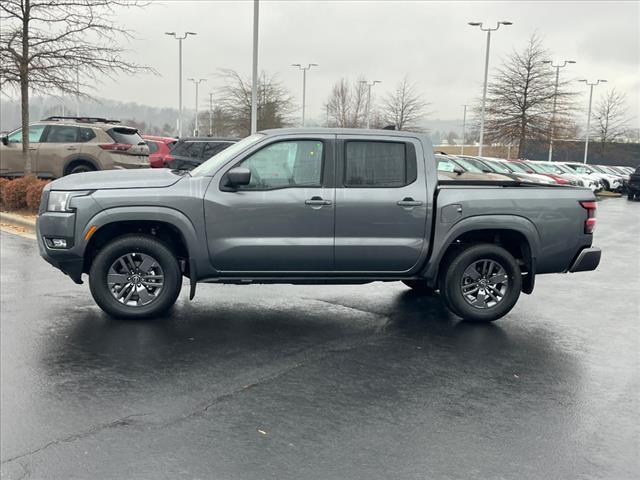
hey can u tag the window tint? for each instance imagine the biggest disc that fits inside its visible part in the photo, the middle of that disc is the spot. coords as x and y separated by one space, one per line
286 164
377 164
188 149
211 148
85 134
125 135
153 146
498 166
62 134
35 133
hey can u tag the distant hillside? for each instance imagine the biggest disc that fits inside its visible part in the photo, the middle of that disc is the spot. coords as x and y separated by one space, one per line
156 118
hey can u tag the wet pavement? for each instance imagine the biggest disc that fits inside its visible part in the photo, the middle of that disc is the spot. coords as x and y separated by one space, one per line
324 382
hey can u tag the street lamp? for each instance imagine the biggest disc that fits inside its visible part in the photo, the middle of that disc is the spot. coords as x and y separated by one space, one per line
180 39
555 99
197 84
304 83
464 125
369 85
591 85
254 69
486 72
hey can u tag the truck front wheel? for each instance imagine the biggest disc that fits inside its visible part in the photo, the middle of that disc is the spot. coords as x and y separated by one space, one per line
481 283
135 276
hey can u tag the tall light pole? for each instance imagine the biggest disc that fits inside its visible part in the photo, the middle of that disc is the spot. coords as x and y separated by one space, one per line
555 100
486 72
586 141
180 38
464 125
197 84
254 71
369 85
304 84
211 114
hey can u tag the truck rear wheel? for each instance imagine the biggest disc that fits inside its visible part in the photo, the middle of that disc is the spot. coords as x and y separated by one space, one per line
135 276
481 283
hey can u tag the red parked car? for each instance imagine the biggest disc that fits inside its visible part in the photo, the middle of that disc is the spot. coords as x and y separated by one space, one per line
159 148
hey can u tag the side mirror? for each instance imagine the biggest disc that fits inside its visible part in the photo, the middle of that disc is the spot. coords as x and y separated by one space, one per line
238 176
458 170
5 140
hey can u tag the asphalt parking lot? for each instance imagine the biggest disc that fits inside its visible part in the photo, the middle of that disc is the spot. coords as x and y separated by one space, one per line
324 382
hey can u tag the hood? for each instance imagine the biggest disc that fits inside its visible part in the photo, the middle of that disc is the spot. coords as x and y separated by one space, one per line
112 179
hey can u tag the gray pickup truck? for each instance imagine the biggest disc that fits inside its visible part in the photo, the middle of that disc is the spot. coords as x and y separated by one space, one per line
313 206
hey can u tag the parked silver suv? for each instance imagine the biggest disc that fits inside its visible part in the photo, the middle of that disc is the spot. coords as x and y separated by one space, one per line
63 145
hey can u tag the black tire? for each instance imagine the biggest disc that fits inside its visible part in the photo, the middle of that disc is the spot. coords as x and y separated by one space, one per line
421 287
137 245
453 273
631 196
81 168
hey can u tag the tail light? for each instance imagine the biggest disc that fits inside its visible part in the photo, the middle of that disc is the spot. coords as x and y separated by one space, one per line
117 147
590 222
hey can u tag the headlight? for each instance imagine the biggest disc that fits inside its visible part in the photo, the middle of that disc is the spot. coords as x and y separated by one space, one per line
59 200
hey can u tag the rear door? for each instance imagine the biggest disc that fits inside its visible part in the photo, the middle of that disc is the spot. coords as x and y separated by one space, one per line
283 220
381 204
59 145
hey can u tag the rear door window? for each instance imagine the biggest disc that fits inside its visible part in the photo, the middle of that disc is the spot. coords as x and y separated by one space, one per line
129 136
62 134
378 164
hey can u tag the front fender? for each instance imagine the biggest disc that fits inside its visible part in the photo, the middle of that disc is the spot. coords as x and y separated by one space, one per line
195 246
444 238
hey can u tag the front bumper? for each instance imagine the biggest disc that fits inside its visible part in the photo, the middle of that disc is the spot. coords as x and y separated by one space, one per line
588 259
60 225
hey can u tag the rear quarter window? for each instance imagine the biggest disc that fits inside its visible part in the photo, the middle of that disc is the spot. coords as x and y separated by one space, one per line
153 146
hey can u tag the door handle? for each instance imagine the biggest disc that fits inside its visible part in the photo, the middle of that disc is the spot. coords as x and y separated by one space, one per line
72 148
317 202
409 202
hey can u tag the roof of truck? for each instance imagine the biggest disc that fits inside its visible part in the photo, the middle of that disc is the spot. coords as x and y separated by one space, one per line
342 131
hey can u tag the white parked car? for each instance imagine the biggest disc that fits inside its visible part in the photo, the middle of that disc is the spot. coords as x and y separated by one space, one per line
581 180
609 182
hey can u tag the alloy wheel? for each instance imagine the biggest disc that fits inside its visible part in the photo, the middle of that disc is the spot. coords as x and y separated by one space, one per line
135 279
484 283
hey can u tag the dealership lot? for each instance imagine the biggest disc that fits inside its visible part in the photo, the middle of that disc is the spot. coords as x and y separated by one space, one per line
371 381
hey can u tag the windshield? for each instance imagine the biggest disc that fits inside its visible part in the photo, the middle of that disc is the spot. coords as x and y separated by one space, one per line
497 166
517 167
467 165
596 169
210 166
538 168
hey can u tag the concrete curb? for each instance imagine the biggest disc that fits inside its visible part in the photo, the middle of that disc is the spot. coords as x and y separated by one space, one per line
18 221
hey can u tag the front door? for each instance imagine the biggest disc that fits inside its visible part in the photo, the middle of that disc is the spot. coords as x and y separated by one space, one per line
11 161
381 204
283 220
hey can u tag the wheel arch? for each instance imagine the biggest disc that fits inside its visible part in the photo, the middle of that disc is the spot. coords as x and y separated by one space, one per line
76 160
517 235
168 225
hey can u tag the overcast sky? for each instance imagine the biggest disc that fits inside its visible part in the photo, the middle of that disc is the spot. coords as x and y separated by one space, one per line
428 41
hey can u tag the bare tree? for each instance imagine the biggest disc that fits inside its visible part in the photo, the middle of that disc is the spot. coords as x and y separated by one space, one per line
612 118
520 98
275 103
347 103
404 107
46 44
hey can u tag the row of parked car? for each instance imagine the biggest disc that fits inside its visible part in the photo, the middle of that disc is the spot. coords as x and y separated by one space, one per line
595 177
64 145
